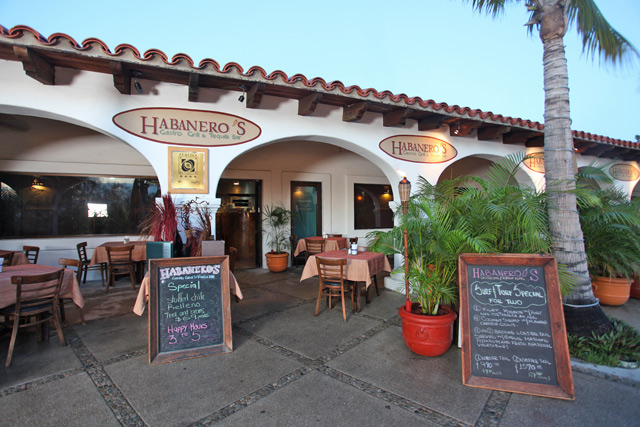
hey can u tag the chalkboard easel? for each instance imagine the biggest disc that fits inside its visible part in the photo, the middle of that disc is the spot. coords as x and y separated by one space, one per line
189 308
513 331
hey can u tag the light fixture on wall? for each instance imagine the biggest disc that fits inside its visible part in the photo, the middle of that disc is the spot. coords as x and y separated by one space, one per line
37 183
244 90
136 84
456 129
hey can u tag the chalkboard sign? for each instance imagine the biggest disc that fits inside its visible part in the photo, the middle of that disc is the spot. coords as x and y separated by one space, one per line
513 332
189 311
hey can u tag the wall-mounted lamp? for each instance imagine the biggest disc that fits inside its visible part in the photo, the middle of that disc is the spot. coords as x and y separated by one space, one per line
37 183
244 90
136 84
456 129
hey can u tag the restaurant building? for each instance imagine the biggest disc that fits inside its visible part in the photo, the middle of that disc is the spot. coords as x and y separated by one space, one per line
89 134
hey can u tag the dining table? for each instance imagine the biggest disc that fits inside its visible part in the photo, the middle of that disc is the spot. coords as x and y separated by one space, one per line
360 268
19 257
139 253
331 244
143 292
70 287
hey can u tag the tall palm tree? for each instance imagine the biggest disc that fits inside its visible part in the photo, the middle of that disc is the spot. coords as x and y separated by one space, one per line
552 18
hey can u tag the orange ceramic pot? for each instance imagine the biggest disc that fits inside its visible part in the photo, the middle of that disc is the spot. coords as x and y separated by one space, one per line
610 290
428 335
277 262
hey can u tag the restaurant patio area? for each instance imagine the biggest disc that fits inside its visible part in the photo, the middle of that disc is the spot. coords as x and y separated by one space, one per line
287 368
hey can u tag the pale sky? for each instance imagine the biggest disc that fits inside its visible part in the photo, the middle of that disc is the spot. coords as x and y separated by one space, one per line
434 49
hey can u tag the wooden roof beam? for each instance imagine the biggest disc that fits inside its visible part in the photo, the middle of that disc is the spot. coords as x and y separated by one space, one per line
194 87
536 141
121 77
35 66
396 117
430 123
598 150
492 132
516 137
254 95
354 112
307 105
462 127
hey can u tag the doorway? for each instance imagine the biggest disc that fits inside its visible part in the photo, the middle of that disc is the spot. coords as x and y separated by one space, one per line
306 209
238 219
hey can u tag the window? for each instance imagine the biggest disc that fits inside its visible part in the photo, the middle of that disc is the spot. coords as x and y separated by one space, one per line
371 206
55 205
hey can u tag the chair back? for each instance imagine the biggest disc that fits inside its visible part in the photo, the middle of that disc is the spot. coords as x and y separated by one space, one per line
37 293
82 252
212 248
68 262
314 246
7 258
119 255
353 240
157 250
331 271
32 253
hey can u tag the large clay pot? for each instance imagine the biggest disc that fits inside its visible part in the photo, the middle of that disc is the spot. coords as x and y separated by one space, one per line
428 335
610 290
277 262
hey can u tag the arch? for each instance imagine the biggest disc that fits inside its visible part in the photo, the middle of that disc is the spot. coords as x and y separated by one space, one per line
478 165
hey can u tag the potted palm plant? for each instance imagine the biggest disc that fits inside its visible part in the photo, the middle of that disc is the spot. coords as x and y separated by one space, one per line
277 223
611 228
468 214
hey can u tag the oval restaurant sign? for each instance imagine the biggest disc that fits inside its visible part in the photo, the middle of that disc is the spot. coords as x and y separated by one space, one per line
623 172
535 161
419 149
187 127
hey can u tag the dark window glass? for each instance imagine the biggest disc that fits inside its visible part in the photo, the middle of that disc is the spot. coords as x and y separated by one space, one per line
54 205
371 206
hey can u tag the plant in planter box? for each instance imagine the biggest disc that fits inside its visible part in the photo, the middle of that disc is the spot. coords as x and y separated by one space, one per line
161 223
611 228
277 223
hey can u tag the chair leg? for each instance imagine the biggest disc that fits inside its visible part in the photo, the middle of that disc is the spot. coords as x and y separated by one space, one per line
319 299
375 281
133 277
56 321
12 343
85 268
102 271
109 280
344 311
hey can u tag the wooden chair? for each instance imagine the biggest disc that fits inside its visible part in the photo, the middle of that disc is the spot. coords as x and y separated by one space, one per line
84 264
68 263
120 264
314 246
332 283
301 258
7 259
36 296
32 253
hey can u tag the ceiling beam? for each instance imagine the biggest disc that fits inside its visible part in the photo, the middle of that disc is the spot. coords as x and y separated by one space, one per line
307 105
536 141
462 127
599 149
354 112
194 87
492 132
35 66
121 77
430 123
516 137
254 95
396 117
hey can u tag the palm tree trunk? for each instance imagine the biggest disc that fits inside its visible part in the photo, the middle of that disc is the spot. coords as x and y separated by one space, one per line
564 221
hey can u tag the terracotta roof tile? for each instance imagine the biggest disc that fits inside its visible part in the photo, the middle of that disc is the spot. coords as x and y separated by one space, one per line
181 59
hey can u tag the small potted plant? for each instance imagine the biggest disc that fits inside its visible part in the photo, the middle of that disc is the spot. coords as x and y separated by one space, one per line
277 223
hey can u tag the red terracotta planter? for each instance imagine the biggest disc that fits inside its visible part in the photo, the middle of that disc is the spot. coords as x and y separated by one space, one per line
277 262
428 335
611 291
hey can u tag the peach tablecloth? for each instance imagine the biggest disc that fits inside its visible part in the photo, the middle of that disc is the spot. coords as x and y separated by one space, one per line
139 252
70 287
19 257
360 267
331 244
143 293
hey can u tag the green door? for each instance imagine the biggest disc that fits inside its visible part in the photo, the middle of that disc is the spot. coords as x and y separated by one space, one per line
306 209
